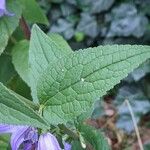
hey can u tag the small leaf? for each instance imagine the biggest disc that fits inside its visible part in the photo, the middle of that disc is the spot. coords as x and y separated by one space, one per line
33 13
9 24
6 68
20 59
19 86
14 110
70 86
43 50
94 137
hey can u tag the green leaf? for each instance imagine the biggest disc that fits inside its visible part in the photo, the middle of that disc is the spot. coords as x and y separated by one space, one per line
14 110
19 86
33 13
9 24
69 87
76 146
20 59
6 68
43 50
4 142
61 42
94 137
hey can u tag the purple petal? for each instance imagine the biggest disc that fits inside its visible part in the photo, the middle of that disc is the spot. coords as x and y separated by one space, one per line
3 10
17 137
3 4
7 128
67 146
31 135
2 7
48 142
29 145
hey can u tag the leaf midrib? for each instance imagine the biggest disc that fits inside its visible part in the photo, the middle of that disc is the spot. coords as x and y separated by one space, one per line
91 74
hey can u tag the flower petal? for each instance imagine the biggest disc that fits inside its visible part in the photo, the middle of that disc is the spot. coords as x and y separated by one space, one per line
3 4
18 136
29 145
48 142
3 10
67 146
7 128
31 135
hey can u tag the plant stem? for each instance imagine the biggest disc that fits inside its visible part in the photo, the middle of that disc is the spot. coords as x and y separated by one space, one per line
69 132
25 28
135 125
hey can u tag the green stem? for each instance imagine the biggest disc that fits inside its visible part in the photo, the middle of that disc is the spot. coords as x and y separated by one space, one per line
69 132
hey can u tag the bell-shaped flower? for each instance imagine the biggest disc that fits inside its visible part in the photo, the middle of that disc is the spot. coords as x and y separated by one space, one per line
48 141
28 138
3 10
20 135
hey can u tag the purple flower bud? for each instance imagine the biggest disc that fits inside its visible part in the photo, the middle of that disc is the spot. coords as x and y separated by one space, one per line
3 10
48 142
67 146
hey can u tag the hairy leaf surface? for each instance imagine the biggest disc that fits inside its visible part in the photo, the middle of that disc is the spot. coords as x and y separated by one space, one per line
43 50
69 87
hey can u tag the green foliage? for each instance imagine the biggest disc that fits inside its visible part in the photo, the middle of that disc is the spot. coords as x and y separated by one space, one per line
43 50
19 86
94 137
60 42
14 109
9 24
20 59
4 142
33 13
6 68
76 145
69 87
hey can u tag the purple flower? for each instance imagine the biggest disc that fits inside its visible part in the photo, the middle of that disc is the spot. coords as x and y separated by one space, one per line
48 142
67 146
21 134
28 138
3 10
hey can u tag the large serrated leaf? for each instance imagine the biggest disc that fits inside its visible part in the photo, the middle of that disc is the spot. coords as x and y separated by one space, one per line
43 50
15 111
9 24
69 87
